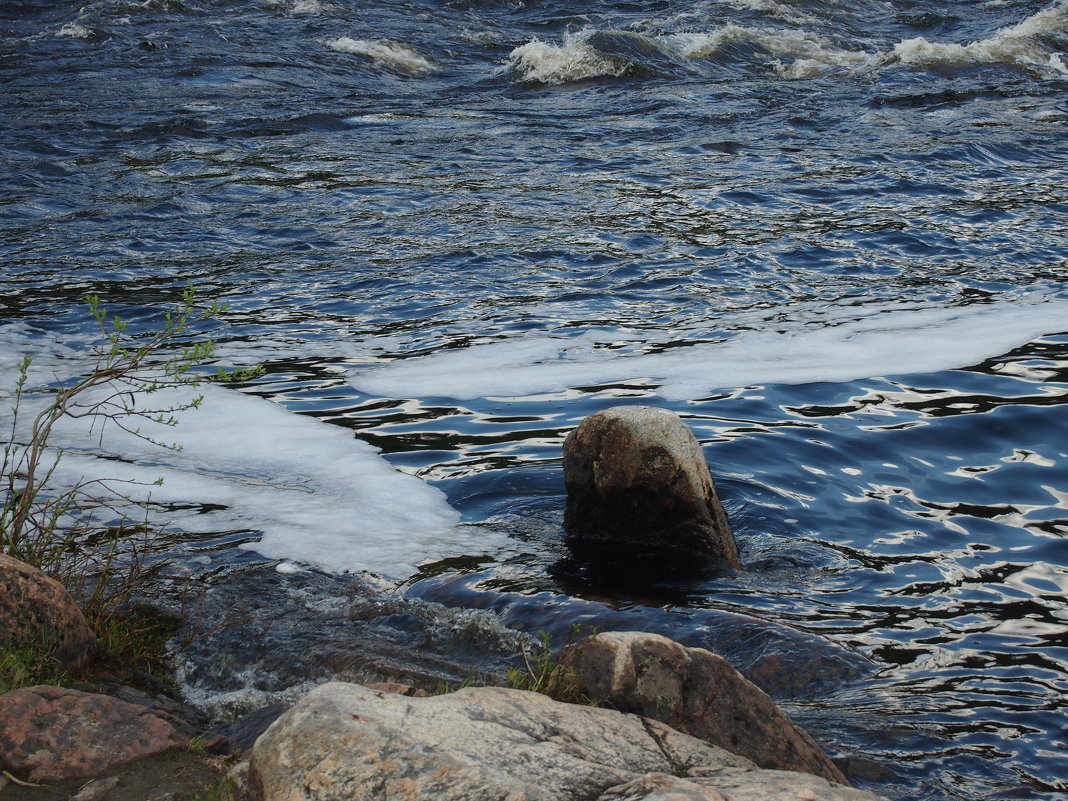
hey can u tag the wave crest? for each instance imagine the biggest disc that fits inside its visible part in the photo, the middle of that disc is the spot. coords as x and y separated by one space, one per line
386 54
576 59
792 54
1020 46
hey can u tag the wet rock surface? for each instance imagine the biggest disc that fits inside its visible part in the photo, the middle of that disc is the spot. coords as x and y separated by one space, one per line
266 637
696 692
639 489
344 741
36 609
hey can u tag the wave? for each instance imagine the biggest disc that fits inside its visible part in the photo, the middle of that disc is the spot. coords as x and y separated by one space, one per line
793 53
75 31
773 8
591 54
385 54
1023 46
307 7
243 464
790 53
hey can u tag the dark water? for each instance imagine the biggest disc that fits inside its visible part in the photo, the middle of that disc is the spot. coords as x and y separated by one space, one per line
866 200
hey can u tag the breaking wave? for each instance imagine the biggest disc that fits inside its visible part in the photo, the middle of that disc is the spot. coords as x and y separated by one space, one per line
385 55
593 54
1025 46
1034 45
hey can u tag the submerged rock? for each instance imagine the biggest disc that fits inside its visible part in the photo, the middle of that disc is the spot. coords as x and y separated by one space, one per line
37 610
638 487
344 742
697 692
49 733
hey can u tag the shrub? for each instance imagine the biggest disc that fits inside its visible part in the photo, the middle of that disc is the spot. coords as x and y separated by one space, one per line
82 534
548 671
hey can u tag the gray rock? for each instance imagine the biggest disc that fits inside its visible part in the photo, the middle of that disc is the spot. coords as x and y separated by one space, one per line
637 482
731 784
344 742
697 692
36 609
660 787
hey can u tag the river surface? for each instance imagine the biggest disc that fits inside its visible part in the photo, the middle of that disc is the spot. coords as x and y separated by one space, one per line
828 233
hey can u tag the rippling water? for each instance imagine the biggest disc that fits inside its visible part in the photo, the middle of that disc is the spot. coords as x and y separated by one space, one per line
830 234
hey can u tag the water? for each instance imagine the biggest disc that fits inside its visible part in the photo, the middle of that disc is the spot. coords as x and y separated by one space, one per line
829 234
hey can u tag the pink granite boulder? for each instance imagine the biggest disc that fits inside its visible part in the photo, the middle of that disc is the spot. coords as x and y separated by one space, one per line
36 609
52 733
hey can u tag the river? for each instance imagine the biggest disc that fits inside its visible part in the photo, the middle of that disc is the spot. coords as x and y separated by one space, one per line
828 233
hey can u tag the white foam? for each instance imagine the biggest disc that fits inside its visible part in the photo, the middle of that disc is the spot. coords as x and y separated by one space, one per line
307 7
808 54
845 344
385 53
318 494
776 9
574 60
75 31
797 53
1017 45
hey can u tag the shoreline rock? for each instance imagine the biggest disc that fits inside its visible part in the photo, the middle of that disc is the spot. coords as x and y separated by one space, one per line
639 490
36 609
51 733
696 692
345 742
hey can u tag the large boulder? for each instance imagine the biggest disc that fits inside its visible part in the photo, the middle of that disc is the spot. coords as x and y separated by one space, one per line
638 486
52 733
344 742
37 610
697 692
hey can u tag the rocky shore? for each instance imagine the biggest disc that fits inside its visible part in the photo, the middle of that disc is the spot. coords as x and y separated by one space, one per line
701 731
655 721
617 716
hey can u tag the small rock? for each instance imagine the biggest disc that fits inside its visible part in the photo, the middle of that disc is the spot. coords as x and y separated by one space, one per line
35 608
50 733
638 484
234 785
697 692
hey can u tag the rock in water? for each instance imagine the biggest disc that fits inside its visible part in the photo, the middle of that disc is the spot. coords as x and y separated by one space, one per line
344 742
697 692
36 610
638 486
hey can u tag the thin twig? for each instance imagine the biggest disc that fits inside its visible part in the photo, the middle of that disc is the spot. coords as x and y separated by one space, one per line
19 782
